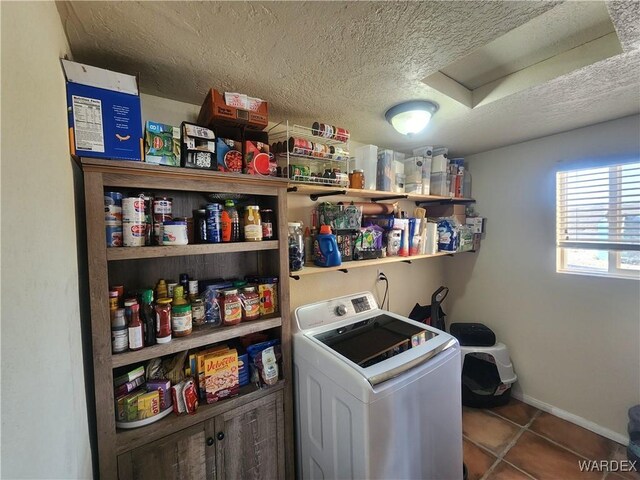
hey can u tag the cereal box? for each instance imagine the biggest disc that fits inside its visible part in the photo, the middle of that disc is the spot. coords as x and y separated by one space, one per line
221 375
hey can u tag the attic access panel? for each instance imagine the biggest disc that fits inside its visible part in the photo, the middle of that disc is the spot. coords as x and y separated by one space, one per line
561 40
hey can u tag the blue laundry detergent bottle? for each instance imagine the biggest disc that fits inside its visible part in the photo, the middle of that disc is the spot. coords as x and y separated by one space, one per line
327 254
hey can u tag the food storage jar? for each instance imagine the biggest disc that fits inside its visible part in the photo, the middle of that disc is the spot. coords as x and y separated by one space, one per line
296 246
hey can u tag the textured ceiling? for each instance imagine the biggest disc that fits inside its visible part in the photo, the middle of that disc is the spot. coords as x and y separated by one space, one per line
347 62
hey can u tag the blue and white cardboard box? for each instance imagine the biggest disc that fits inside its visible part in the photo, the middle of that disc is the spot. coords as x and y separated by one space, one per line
105 118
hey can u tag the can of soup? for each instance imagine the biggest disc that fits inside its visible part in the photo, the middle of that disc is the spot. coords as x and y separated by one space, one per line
114 235
133 210
133 233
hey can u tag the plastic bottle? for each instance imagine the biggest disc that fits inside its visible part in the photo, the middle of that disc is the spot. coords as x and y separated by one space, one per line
136 338
329 255
148 313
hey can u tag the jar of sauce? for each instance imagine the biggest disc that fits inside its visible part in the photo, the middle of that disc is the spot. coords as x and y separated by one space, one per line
181 320
252 224
250 303
356 179
197 311
268 223
231 307
163 320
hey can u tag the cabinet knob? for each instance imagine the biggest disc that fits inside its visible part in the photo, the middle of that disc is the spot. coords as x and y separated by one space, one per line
220 436
210 441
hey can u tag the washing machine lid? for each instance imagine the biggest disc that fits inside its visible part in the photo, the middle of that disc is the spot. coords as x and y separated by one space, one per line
374 339
379 345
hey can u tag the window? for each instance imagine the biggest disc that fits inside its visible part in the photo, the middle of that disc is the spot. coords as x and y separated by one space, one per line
598 221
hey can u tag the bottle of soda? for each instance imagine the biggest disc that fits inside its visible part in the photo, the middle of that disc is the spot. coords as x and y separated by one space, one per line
148 318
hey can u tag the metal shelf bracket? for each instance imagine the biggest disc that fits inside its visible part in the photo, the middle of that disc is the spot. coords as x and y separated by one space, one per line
292 189
344 270
314 196
295 277
390 197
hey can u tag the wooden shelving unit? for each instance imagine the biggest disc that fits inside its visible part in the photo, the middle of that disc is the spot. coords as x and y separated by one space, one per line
125 453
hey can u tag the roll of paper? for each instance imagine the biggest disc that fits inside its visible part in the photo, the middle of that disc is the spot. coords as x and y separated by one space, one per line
432 238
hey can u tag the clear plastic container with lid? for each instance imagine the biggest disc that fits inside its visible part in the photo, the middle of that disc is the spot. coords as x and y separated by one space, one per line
296 246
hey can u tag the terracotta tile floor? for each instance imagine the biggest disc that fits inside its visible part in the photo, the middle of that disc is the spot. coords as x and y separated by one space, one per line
519 442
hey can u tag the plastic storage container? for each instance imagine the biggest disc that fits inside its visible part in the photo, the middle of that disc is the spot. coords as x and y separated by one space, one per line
296 247
366 160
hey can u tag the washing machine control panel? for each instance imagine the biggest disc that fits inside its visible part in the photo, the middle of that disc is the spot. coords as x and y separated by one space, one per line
334 310
361 304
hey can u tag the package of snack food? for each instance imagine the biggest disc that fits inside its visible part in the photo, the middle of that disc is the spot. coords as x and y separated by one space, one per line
190 396
221 375
228 155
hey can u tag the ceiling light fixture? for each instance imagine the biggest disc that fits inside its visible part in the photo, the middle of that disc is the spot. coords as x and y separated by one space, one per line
412 117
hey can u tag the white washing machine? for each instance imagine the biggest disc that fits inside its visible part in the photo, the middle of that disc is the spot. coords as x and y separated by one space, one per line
377 394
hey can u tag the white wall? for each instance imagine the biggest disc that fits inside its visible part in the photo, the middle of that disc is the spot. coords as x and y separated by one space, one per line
44 413
574 340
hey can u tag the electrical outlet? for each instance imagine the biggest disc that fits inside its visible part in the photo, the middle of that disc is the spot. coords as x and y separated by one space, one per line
378 273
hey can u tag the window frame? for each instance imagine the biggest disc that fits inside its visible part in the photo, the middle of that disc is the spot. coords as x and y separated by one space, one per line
614 270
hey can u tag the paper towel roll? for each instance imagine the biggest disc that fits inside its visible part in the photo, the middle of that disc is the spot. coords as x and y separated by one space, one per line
432 238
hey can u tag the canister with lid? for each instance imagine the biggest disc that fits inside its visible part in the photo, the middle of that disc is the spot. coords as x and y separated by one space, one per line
296 246
174 232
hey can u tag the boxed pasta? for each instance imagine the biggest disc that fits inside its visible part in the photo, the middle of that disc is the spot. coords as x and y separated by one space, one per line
221 375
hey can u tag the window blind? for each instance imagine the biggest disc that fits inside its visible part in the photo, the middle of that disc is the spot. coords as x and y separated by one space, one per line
599 208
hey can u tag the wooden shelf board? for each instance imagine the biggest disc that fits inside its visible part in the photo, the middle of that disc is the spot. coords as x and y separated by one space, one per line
178 173
310 269
201 336
303 189
129 439
131 253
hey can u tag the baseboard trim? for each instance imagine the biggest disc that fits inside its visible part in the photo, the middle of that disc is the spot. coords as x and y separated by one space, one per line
570 417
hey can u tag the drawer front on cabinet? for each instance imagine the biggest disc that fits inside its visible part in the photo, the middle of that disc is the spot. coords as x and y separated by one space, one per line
187 454
250 441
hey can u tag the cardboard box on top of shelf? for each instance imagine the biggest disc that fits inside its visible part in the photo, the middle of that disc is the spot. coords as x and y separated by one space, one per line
455 211
105 117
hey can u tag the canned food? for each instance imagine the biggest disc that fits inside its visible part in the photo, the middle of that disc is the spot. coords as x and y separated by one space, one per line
114 235
162 206
133 210
113 198
133 234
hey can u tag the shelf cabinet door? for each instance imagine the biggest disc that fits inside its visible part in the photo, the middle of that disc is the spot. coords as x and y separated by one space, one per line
189 453
252 445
